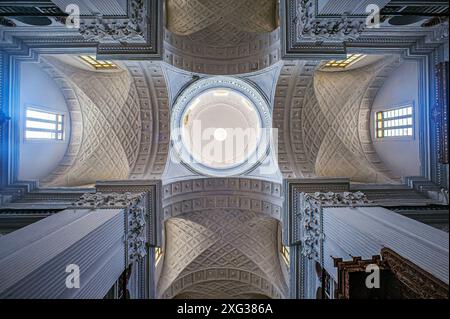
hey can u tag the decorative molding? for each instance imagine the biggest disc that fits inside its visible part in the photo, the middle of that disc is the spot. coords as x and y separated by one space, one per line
222 283
339 29
345 268
111 200
261 106
260 52
419 283
310 227
441 110
303 224
152 92
307 33
136 217
190 196
308 230
152 189
232 239
350 199
136 36
130 30
416 283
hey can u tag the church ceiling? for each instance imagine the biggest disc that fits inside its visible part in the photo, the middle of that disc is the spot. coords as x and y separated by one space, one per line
221 23
217 37
323 120
116 118
231 248
222 236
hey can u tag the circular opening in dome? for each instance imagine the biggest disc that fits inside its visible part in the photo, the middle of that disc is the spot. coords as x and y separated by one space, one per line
219 126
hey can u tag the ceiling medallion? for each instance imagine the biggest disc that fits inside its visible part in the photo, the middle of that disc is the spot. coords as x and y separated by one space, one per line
221 126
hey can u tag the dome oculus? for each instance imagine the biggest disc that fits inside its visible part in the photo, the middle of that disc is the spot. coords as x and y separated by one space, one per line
219 126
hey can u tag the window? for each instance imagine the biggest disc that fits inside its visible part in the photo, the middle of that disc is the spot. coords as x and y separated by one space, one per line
395 122
98 64
42 125
285 254
158 254
351 59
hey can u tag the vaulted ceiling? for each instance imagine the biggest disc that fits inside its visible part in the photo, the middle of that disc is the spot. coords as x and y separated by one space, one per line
119 123
323 120
222 37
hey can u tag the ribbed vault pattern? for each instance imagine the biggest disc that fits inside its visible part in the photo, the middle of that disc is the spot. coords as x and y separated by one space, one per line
216 22
323 120
114 128
222 37
226 251
234 248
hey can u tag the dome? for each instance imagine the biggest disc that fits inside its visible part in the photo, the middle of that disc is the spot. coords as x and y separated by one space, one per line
219 126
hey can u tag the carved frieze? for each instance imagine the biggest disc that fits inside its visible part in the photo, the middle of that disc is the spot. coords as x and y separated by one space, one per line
264 197
418 283
337 199
107 200
310 227
307 225
136 217
132 29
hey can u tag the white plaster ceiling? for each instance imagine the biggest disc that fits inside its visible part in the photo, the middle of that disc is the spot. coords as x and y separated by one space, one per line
222 37
213 121
324 120
119 126
224 253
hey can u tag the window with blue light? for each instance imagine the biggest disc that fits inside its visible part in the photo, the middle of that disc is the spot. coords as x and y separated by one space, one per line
396 122
43 125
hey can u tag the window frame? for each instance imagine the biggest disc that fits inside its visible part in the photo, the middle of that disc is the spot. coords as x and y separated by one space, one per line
395 138
48 111
328 65
108 66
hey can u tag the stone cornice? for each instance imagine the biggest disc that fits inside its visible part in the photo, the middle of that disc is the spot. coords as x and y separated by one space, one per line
213 193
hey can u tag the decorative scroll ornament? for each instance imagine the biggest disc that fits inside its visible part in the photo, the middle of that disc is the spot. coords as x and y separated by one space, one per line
121 30
136 216
107 200
312 234
309 222
340 29
337 199
440 25
418 283
136 237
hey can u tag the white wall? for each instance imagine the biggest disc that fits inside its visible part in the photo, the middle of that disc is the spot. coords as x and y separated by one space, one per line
39 158
400 155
